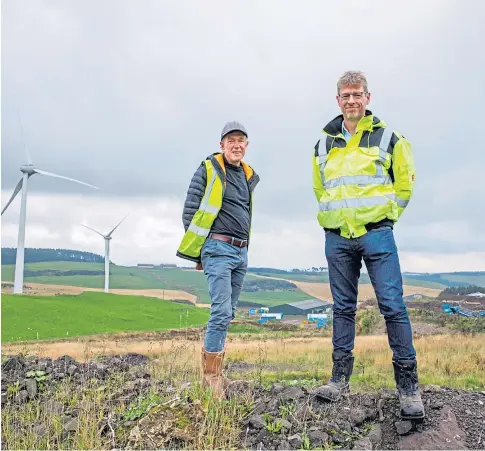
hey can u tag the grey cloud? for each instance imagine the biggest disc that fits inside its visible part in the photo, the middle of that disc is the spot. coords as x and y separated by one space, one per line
131 96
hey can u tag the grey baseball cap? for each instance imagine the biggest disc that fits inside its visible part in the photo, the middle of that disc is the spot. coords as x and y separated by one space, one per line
233 127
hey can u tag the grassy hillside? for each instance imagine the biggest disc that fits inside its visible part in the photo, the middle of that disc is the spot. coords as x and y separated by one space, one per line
138 278
272 298
23 317
438 280
121 276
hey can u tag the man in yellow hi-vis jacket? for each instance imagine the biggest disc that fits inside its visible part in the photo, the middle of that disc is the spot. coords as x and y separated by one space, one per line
363 178
217 219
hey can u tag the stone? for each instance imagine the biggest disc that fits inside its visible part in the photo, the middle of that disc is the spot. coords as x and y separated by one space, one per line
259 408
31 387
65 359
363 443
370 413
318 438
295 441
380 405
448 436
339 439
277 388
357 417
71 370
435 405
4 398
42 364
70 424
403 427
22 396
431 388
257 422
13 364
284 445
346 426
387 393
285 424
291 393
375 435
40 430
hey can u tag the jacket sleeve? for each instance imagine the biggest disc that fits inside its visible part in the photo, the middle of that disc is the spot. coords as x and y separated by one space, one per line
195 193
404 172
318 188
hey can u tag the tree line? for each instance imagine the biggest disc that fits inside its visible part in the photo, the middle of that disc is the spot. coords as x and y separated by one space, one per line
461 290
35 255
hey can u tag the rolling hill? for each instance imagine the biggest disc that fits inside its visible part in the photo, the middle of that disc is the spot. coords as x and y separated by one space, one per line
44 317
135 278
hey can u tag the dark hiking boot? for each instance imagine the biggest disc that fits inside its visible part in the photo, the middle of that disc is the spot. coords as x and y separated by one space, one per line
406 376
339 382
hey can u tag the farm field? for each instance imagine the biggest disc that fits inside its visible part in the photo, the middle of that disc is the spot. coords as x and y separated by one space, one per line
45 317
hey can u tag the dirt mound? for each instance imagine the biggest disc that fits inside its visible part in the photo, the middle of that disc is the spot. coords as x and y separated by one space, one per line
161 415
295 418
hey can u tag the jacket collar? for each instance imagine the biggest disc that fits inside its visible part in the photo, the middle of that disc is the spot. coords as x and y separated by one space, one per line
367 123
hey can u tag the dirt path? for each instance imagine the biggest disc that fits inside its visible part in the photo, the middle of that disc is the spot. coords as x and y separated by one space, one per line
322 291
40 289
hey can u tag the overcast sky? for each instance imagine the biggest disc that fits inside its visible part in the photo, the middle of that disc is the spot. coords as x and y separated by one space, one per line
132 95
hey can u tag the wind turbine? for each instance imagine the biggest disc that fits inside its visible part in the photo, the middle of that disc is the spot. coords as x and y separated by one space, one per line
28 170
107 239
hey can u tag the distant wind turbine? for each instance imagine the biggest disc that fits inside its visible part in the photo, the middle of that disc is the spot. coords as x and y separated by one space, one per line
28 170
107 239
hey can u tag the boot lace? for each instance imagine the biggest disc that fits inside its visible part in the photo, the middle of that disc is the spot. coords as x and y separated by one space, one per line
339 371
408 382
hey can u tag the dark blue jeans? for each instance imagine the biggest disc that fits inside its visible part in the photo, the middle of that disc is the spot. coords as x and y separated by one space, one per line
225 266
378 249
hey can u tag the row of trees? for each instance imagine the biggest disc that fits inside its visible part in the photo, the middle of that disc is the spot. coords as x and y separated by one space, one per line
34 255
461 290
312 269
268 285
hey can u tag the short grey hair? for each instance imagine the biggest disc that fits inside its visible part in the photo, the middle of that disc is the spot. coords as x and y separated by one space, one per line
352 77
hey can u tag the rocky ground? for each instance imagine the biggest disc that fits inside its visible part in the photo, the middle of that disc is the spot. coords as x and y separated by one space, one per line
276 418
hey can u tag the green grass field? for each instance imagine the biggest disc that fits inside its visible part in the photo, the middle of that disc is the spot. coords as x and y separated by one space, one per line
140 278
364 278
44 317
121 276
272 298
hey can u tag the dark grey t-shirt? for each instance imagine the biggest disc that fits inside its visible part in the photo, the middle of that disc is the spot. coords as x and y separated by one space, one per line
234 217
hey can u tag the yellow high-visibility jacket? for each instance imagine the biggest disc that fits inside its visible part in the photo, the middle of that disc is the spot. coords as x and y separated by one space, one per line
213 174
363 181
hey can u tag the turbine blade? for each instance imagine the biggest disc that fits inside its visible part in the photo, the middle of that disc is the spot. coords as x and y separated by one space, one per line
15 192
109 234
90 228
27 153
50 174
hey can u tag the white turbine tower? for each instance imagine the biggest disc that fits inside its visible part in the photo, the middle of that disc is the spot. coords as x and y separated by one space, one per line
28 170
107 239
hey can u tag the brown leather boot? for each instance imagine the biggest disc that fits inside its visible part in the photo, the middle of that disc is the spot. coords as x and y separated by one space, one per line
212 376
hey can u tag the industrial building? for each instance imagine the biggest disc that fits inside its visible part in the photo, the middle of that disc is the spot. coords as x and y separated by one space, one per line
302 307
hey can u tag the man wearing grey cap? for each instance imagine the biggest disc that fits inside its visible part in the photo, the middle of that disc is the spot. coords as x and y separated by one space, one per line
217 220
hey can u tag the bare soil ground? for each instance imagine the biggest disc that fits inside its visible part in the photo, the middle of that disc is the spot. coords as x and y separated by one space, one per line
276 418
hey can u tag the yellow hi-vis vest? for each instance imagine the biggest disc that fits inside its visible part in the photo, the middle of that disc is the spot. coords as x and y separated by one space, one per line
201 224
365 180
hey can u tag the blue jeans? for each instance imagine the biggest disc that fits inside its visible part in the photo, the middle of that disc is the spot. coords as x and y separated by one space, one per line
378 249
225 266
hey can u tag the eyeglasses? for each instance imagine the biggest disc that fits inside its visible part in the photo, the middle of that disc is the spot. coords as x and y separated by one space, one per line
356 95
